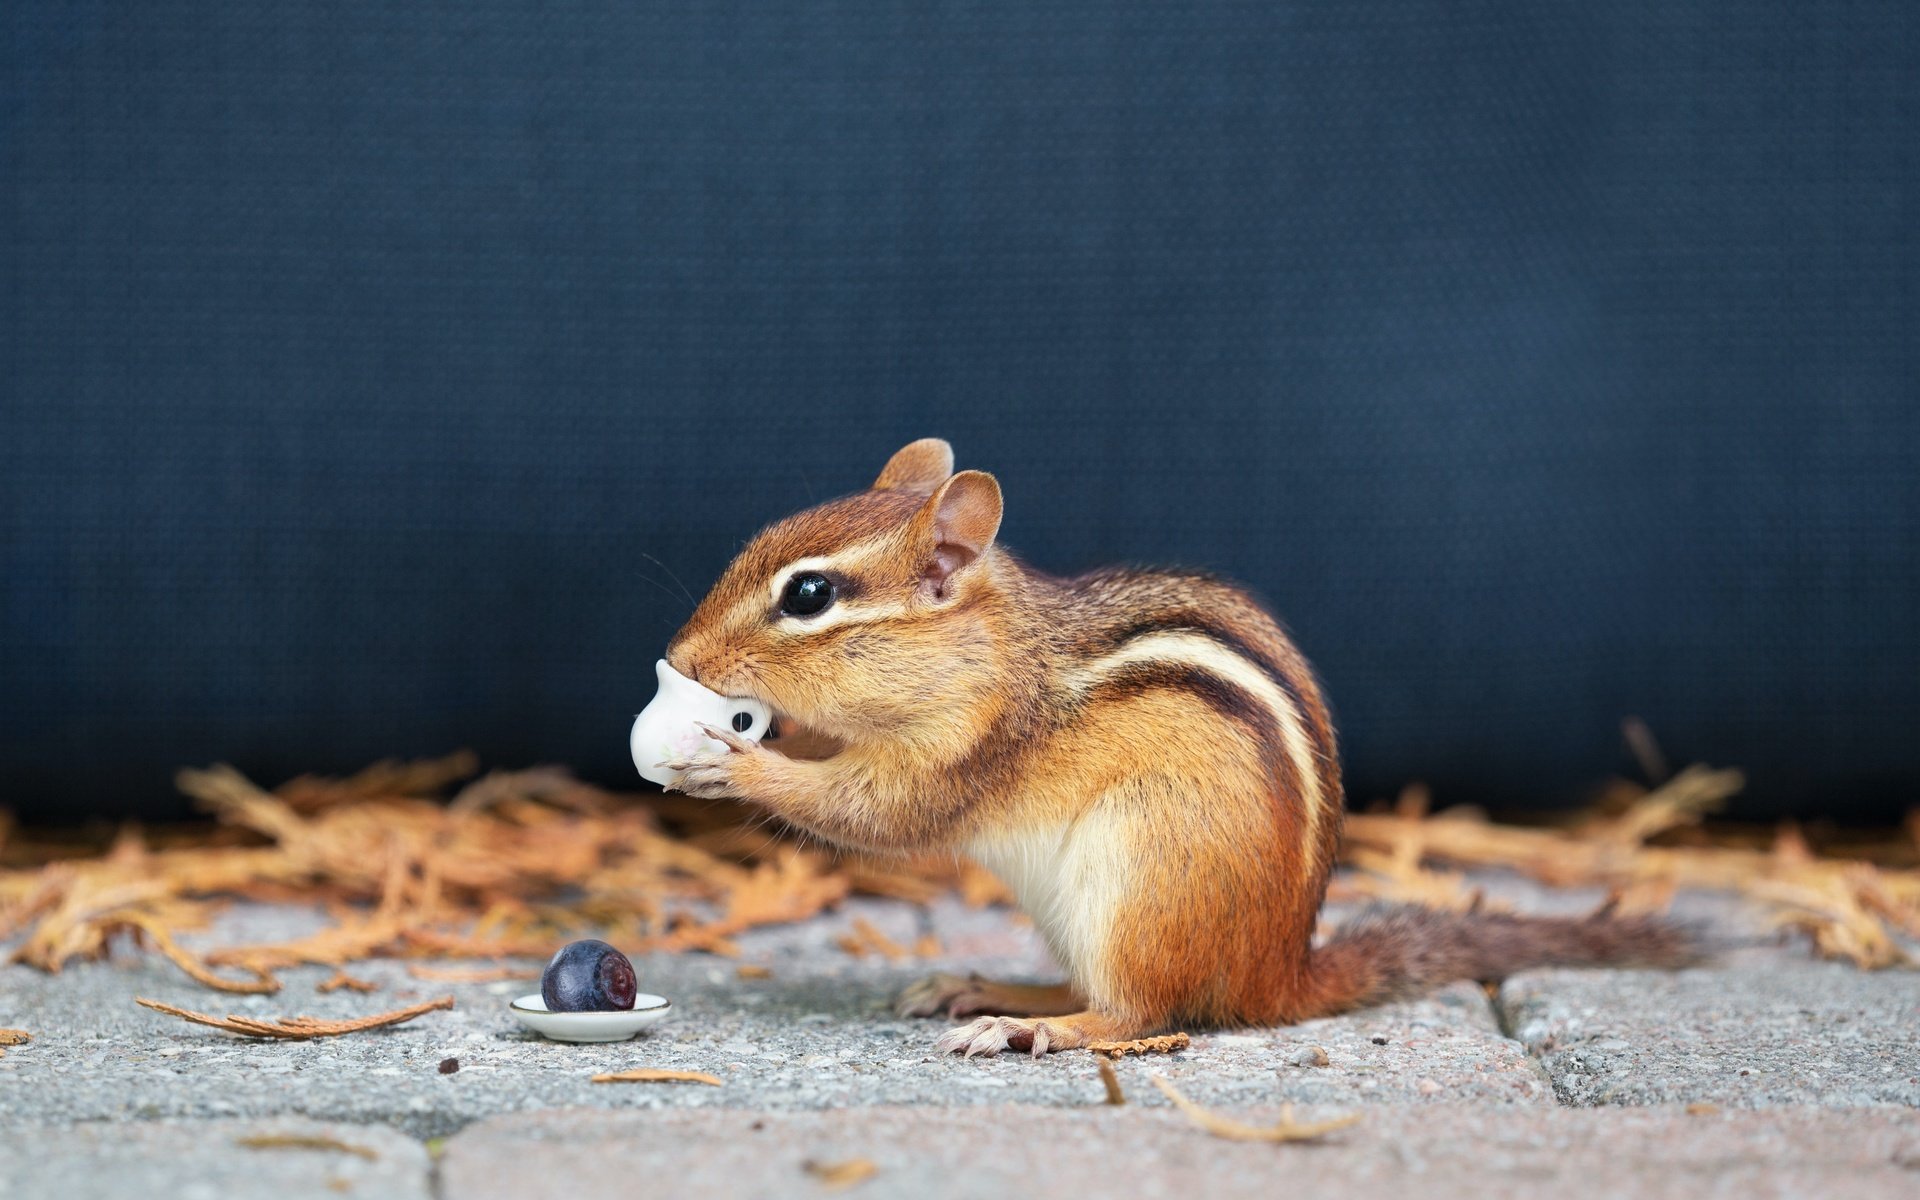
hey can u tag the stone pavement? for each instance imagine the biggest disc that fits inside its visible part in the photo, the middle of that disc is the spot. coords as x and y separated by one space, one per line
1766 1073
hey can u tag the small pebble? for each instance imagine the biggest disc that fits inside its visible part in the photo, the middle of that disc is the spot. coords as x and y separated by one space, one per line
1379 1041
449 1065
1310 1056
1426 1087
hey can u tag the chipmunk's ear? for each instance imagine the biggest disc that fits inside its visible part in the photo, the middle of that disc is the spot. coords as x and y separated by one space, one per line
955 526
917 467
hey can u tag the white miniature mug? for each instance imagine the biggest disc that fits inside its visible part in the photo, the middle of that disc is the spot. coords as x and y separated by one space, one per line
669 727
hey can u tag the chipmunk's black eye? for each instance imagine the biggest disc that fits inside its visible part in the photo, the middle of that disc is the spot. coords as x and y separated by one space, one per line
807 593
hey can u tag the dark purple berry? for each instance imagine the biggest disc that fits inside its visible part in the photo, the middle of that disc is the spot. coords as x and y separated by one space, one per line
588 976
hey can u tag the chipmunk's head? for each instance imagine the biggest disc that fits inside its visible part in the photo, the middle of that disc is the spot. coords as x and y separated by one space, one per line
855 616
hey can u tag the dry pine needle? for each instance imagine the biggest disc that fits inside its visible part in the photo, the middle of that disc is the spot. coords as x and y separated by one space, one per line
1166 1043
294 1141
298 1028
352 983
658 1075
842 1174
1287 1130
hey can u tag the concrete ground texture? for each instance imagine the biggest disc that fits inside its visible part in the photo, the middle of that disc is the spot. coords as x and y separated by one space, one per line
1763 1073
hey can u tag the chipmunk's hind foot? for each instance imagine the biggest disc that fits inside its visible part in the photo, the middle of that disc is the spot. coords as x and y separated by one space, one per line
1036 1035
965 995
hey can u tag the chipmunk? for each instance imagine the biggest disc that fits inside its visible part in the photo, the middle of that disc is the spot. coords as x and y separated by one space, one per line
1142 756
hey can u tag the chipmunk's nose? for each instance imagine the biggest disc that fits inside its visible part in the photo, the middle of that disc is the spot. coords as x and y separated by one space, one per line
680 660
685 656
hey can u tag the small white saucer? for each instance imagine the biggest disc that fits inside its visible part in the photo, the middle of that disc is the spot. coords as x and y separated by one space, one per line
615 1026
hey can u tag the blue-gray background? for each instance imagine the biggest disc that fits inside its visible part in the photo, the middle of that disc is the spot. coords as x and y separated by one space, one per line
1543 363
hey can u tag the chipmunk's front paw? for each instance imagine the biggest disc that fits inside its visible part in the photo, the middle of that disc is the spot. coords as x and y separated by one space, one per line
717 775
937 993
991 1035
708 776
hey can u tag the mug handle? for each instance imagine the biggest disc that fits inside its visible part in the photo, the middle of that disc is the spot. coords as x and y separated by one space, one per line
750 721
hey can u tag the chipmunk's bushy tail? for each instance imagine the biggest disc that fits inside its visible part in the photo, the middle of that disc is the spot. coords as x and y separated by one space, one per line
1393 953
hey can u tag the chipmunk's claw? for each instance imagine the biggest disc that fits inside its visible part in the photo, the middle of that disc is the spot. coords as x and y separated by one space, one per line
938 993
976 1037
726 737
704 776
709 774
991 1035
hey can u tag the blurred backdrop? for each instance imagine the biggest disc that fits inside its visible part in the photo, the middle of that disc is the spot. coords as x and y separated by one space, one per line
371 369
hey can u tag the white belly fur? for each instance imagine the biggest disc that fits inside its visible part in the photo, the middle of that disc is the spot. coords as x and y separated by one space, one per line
1070 879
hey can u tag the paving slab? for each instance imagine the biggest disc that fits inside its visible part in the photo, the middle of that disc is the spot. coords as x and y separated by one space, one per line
1762 1028
1149 1151
820 1033
282 1158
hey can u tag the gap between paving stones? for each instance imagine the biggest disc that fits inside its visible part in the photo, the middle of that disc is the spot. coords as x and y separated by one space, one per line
1760 1029
1503 1019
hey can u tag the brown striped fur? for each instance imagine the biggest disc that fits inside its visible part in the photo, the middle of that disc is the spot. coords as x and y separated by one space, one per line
1144 756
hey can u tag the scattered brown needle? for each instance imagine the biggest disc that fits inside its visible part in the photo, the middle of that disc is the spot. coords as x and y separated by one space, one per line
842 1174
297 1029
352 983
1288 1130
658 1075
1166 1043
295 1141
262 984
